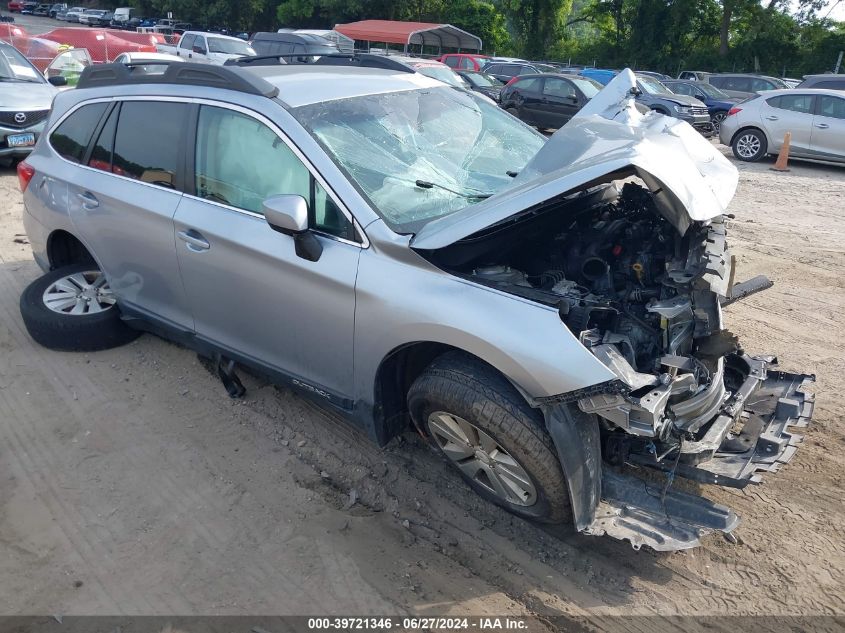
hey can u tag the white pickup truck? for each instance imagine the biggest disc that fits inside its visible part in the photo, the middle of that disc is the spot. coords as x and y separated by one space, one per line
208 48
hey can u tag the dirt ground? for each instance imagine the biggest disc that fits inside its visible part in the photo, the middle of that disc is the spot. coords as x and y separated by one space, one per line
131 484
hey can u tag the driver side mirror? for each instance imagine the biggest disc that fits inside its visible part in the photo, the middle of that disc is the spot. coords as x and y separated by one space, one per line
288 214
57 80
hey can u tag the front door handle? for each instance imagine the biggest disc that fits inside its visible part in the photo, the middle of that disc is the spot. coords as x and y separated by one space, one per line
195 241
772 118
88 200
822 126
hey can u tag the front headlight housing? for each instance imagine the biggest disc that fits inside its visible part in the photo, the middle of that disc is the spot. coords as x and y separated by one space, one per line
681 108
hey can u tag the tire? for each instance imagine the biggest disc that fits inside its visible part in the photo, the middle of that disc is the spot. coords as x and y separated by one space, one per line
98 328
749 145
716 120
460 397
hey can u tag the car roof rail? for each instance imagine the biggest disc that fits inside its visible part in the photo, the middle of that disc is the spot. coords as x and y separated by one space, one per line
177 73
361 60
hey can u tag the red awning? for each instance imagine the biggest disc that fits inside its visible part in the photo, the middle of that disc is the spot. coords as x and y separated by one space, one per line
420 33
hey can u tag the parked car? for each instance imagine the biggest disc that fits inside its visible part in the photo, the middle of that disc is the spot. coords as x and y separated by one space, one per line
547 100
28 8
305 46
86 16
59 7
42 10
208 48
104 19
432 68
694 75
658 97
505 71
146 58
464 61
829 81
72 14
482 82
790 82
25 98
814 117
744 86
122 15
455 272
66 68
15 6
718 103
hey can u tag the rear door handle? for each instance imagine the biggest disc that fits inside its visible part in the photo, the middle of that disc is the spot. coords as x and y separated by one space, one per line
822 126
772 118
88 200
195 241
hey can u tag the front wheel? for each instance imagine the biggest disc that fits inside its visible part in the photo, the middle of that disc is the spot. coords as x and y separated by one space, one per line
481 424
716 120
749 145
74 309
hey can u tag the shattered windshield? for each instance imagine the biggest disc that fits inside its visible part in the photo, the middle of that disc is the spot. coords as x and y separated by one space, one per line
421 154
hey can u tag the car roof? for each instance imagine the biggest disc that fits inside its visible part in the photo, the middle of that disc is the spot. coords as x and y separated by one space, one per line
304 84
811 91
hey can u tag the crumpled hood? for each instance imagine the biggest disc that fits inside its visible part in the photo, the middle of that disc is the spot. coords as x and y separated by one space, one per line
607 139
685 100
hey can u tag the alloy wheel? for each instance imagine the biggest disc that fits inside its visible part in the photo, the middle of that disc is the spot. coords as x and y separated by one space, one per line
716 121
80 293
748 145
482 458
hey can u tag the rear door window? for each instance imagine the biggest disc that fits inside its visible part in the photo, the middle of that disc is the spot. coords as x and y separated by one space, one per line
147 141
451 61
795 103
530 84
72 137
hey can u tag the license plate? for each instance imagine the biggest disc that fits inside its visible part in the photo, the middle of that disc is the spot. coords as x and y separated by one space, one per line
20 140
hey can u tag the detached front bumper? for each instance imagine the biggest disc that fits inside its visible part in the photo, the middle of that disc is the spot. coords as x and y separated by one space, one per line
751 433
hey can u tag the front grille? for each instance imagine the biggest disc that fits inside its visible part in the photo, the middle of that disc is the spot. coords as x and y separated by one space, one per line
699 111
8 118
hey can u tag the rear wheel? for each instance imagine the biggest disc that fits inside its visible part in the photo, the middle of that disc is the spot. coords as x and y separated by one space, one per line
481 424
749 145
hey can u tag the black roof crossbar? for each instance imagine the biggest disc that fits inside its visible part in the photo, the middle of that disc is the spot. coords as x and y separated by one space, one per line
361 60
179 73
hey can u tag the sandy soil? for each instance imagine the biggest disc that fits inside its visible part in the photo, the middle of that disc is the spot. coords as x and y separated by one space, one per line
130 483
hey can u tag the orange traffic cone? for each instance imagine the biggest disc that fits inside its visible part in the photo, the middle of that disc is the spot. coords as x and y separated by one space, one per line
783 154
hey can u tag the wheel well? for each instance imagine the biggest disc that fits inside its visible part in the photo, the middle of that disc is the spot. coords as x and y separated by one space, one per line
63 249
661 110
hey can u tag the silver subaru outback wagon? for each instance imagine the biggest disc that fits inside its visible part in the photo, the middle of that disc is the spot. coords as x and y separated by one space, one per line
547 312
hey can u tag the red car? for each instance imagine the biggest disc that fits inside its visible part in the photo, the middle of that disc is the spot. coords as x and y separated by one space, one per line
15 5
463 61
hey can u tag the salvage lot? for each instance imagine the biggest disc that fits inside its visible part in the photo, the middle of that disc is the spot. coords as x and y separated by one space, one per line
131 472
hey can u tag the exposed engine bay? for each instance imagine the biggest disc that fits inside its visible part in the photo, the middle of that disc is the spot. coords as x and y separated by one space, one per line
645 300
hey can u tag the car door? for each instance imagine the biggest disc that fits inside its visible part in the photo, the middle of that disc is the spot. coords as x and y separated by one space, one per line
186 45
124 199
827 139
252 295
525 99
788 113
559 102
199 50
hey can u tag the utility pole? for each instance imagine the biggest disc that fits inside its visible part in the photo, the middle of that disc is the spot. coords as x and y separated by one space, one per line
838 63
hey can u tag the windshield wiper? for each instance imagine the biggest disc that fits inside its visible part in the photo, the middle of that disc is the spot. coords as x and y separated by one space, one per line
425 184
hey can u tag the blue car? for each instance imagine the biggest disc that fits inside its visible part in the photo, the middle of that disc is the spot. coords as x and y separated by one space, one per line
718 103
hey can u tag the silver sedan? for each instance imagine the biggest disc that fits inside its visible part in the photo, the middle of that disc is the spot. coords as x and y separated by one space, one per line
815 118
